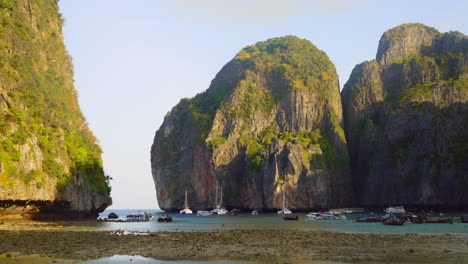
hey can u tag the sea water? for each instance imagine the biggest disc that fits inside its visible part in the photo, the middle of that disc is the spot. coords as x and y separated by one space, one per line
194 223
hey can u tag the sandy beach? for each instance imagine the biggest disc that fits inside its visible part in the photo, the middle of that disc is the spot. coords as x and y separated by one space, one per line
259 246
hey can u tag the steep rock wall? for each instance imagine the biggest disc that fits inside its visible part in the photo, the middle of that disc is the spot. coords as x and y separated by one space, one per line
406 120
271 121
49 160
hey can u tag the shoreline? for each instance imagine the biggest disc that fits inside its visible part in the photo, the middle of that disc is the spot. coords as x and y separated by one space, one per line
256 245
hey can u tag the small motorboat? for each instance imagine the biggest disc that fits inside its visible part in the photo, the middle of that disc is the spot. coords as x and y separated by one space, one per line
314 216
395 210
204 213
164 219
333 216
394 221
291 217
254 212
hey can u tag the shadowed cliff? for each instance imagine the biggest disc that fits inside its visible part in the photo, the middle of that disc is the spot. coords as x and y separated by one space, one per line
406 117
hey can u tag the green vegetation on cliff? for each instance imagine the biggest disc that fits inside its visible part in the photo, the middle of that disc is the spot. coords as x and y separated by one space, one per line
38 103
405 118
273 112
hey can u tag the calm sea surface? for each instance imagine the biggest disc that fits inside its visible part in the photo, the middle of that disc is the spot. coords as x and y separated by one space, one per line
193 223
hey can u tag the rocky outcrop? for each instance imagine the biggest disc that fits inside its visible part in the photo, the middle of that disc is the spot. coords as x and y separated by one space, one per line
49 160
271 121
406 119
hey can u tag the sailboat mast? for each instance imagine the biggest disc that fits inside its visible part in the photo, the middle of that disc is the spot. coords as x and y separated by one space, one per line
216 195
186 201
284 197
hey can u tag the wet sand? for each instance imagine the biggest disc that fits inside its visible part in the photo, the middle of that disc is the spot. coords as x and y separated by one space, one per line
259 246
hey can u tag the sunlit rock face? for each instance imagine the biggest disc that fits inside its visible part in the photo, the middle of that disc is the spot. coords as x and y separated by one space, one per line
271 121
50 163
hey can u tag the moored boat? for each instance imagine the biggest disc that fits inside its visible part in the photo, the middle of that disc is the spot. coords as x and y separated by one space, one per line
139 217
284 211
464 219
333 216
439 220
219 210
186 209
395 210
417 219
164 219
369 219
314 216
291 217
254 212
394 221
204 213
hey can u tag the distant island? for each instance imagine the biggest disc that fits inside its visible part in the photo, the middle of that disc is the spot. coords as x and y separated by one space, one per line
273 121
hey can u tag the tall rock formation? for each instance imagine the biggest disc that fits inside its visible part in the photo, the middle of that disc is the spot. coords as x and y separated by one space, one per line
49 160
406 120
269 122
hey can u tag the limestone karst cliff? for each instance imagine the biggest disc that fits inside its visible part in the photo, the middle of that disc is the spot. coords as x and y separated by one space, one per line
406 120
49 160
271 121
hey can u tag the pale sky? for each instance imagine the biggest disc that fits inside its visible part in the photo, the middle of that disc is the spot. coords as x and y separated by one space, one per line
134 60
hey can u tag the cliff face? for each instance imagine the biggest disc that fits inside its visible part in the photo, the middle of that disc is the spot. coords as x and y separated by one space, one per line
406 119
49 161
270 121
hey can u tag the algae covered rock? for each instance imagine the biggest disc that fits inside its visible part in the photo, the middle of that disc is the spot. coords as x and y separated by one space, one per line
49 160
271 121
406 119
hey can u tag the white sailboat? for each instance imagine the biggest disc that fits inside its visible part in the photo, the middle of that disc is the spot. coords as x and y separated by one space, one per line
186 209
284 211
219 210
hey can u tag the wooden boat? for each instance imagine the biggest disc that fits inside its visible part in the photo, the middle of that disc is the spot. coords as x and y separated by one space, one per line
439 220
165 219
291 217
394 221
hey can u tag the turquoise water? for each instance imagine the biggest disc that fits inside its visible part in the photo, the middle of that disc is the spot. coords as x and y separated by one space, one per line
194 223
